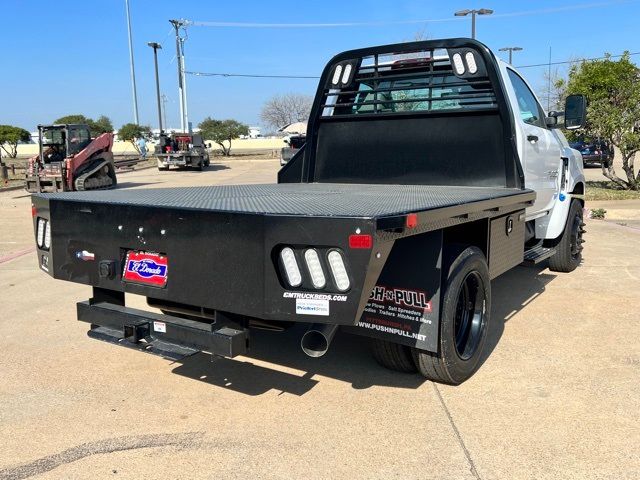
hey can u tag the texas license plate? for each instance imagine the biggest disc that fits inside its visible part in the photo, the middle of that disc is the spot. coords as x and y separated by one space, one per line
145 268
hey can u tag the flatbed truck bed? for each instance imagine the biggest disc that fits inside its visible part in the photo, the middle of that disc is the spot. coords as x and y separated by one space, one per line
311 199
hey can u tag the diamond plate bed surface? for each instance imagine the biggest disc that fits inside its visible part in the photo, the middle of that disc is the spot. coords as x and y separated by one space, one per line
336 200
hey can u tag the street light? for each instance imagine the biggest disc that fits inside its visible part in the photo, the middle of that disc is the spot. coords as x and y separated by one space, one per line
132 67
510 50
155 47
473 13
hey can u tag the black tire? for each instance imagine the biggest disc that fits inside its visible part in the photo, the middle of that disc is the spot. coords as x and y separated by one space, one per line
393 356
569 245
465 316
163 169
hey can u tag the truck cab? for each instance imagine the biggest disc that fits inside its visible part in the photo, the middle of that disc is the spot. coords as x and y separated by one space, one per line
550 166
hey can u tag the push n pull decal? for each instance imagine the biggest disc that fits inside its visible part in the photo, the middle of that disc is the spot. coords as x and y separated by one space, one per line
404 306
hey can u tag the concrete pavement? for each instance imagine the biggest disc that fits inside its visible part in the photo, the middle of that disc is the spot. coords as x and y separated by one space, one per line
557 398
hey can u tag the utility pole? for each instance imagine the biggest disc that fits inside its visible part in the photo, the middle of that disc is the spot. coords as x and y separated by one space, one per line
164 110
133 71
155 47
181 80
510 50
549 82
473 13
184 89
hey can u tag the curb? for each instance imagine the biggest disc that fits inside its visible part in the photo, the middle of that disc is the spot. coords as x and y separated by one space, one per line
10 189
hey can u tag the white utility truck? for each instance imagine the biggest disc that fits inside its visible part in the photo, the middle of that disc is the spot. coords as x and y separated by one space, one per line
429 169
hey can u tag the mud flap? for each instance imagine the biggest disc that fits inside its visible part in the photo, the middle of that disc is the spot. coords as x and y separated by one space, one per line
404 306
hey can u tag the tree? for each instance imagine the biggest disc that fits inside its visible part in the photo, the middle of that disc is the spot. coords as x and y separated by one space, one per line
101 125
554 90
221 131
129 132
97 127
282 110
10 136
613 92
75 118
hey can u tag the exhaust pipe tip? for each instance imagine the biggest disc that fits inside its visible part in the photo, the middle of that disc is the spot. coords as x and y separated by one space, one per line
316 341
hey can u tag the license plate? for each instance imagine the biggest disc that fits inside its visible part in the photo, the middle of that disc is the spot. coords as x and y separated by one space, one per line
145 268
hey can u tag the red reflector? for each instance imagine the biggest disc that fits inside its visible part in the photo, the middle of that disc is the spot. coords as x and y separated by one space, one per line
412 220
360 241
34 211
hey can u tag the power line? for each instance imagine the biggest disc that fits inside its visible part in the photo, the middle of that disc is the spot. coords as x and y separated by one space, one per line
315 77
542 11
575 61
247 75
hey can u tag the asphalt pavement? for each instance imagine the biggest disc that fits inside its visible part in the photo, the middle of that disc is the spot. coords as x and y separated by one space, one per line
557 398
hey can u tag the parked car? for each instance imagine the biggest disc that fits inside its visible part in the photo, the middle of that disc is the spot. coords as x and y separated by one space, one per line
594 152
294 143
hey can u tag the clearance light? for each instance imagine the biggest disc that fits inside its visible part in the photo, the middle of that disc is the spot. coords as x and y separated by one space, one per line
315 268
338 270
458 64
360 241
347 73
291 267
412 220
471 62
47 236
40 231
336 75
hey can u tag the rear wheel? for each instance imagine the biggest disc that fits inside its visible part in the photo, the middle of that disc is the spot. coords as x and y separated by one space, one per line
465 313
393 356
569 246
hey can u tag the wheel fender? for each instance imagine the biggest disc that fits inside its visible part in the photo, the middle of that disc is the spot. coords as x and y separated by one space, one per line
551 226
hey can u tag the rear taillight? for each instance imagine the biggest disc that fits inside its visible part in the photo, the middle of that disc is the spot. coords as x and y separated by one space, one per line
315 268
291 268
47 235
338 270
40 232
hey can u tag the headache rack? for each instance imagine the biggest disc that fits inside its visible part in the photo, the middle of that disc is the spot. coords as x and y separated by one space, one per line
422 81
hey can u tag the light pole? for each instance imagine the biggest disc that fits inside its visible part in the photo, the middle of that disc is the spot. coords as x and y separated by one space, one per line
177 24
510 50
133 71
156 46
473 13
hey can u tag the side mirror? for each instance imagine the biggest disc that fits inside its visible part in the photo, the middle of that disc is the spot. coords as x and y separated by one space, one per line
552 119
575 112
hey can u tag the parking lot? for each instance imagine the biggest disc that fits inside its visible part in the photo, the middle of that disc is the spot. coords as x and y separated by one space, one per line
557 398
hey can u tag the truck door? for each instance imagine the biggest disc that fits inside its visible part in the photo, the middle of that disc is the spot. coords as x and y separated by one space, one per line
539 150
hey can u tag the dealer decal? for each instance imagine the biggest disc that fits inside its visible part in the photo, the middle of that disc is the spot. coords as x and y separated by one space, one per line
312 307
146 268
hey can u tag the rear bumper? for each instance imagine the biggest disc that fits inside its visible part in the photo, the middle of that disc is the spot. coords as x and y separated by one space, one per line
161 334
178 160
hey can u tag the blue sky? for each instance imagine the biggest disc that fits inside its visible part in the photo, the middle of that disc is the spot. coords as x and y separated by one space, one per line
71 56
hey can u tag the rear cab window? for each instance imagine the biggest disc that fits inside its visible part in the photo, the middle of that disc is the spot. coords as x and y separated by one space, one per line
408 83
